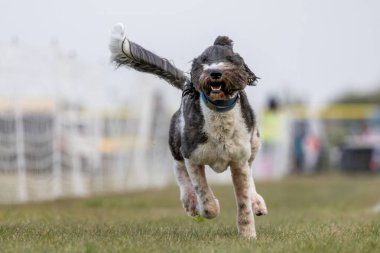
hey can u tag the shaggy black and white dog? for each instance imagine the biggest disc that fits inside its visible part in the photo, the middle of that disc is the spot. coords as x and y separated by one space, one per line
214 125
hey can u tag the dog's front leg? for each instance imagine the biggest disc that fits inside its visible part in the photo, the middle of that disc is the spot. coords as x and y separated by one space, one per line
207 203
258 202
241 177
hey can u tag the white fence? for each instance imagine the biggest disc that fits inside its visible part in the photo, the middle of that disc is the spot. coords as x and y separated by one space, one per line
53 151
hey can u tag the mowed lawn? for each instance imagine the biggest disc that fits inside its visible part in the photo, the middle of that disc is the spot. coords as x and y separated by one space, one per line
306 214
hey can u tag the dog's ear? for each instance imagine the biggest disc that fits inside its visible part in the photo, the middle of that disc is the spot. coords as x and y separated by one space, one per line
252 78
223 41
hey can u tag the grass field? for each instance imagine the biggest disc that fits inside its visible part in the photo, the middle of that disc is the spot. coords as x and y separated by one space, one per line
307 214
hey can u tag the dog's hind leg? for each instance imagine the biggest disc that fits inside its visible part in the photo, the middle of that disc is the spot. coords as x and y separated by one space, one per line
258 204
187 193
241 178
207 203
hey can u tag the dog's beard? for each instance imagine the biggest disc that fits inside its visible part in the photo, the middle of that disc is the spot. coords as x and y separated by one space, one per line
225 87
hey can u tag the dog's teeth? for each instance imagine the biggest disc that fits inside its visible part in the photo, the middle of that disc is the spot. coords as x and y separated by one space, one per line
215 88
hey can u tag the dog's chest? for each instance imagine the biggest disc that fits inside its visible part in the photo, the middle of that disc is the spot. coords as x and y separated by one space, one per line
228 139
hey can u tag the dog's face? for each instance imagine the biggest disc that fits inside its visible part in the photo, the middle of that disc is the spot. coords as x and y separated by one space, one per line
219 72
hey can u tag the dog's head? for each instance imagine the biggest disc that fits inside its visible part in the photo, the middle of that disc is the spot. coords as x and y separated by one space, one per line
219 72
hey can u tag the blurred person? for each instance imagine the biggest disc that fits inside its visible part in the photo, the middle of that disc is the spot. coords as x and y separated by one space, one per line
273 132
312 148
300 131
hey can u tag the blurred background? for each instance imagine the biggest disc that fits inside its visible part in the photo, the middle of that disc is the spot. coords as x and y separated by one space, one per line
70 125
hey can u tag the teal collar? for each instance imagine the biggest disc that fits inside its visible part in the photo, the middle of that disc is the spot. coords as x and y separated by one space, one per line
219 105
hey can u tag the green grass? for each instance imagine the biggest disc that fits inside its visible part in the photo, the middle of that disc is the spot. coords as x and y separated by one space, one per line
307 214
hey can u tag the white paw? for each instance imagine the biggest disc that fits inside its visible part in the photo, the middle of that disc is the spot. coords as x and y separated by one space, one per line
249 235
210 209
258 205
248 232
189 202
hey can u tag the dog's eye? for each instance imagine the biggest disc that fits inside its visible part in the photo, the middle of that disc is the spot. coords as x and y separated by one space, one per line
230 59
203 59
234 60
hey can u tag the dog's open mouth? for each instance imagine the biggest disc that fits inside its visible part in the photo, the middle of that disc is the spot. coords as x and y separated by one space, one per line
216 87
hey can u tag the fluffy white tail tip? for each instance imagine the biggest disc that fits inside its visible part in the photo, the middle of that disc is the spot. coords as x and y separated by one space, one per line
118 31
117 38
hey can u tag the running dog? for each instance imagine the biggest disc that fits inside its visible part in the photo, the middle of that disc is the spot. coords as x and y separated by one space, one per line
214 125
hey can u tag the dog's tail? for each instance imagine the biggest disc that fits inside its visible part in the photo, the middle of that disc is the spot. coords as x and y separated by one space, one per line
125 52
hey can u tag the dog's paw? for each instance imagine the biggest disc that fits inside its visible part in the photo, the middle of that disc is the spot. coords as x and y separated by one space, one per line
258 205
189 203
210 209
248 232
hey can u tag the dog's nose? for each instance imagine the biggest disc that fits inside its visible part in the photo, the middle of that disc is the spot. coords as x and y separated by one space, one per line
215 74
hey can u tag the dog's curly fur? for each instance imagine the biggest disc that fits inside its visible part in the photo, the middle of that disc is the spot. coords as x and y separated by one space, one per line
200 135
